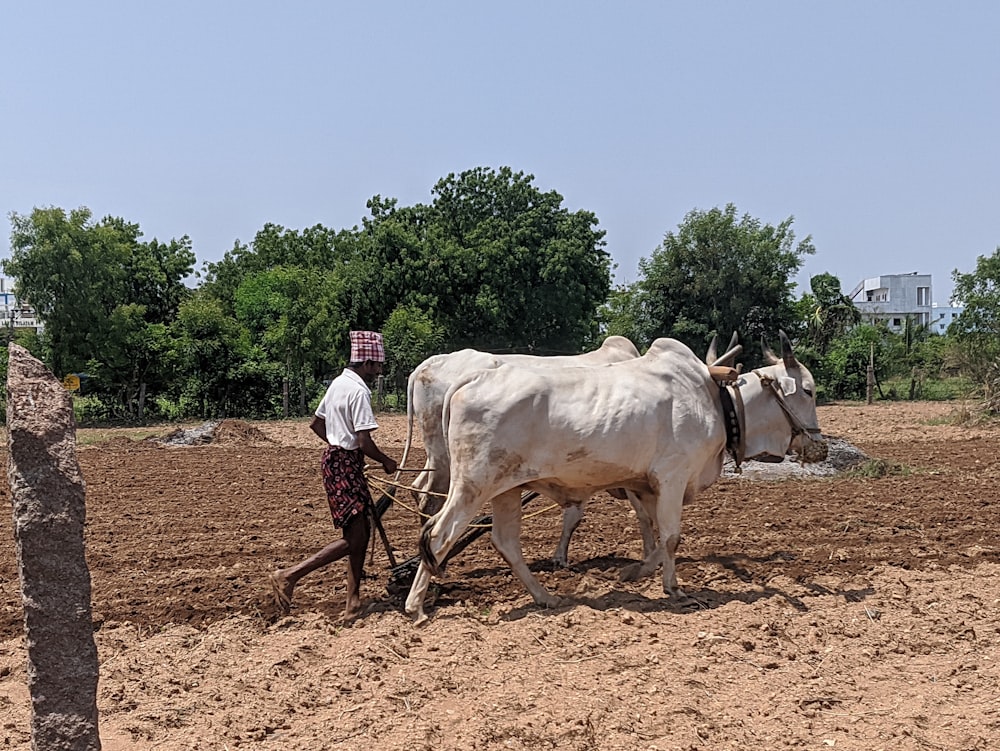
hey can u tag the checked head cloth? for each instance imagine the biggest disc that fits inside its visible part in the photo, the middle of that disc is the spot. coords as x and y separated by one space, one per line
367 345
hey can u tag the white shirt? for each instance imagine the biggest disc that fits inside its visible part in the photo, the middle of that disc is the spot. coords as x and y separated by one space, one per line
346 408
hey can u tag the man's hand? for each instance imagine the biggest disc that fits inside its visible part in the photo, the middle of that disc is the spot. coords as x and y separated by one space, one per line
389 466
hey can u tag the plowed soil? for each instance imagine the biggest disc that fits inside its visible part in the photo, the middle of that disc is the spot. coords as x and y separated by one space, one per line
848 612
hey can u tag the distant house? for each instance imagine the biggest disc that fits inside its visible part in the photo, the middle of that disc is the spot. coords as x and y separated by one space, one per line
901 300
15 314
942 316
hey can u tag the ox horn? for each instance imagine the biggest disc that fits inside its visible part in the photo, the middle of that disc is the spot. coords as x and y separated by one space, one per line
769 357
787 355
732 352
712 354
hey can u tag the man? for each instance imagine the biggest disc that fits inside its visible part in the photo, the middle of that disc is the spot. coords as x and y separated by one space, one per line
344 420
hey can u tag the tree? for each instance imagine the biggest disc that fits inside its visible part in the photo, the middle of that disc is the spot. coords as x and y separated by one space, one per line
830 312
289 314
493 261
845 372
719 274
411 336
103 294
621 315
977 328
210 346
522 271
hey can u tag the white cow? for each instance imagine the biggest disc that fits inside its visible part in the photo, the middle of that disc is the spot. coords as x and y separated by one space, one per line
654 425
425 394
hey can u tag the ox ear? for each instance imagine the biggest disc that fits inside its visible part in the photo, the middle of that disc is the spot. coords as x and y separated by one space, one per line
787 355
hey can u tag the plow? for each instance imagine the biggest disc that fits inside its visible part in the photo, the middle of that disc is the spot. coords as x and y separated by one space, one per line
401 574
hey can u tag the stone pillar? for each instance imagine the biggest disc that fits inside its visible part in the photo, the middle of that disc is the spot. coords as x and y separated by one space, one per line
47 491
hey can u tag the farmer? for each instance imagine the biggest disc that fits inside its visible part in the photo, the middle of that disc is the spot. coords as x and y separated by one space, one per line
344 420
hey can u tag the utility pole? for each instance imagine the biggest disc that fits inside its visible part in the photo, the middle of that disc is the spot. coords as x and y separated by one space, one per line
871 374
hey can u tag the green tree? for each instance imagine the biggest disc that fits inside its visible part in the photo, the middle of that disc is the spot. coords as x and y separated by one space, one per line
521 270
411 336
494 261
103 294
720 273
289 314
977 328
845 367
272 247
830 312
621 315
210 346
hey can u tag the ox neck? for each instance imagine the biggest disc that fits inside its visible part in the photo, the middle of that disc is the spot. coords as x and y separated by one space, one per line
733 417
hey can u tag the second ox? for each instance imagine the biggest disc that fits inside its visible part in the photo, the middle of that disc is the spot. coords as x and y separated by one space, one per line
655 425
426 390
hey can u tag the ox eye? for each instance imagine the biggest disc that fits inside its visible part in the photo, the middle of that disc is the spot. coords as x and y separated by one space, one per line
809 392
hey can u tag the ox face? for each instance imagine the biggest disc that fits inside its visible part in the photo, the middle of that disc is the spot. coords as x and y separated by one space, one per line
790 386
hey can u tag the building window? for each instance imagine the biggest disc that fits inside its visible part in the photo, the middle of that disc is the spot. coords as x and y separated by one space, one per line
897 322
923 295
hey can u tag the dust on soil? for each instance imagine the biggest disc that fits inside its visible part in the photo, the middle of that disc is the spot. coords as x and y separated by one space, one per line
844 612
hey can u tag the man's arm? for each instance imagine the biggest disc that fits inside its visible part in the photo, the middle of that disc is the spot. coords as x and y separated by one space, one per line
318 426
368 447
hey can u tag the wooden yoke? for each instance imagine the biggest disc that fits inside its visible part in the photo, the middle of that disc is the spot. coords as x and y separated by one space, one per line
723 373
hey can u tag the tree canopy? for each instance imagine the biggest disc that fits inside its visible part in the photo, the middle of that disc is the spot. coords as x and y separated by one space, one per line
104 295
719 273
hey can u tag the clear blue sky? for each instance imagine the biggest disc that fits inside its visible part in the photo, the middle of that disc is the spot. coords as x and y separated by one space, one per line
874 124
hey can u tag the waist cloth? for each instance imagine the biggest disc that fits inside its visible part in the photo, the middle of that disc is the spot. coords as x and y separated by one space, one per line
345 483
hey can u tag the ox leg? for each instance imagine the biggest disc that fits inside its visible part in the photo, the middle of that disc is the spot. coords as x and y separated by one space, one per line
668 517
572 516
652 553
506 537
645 521
433 488
439 535
418 591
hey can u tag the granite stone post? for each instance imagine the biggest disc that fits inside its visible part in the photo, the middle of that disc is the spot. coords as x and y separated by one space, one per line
47 491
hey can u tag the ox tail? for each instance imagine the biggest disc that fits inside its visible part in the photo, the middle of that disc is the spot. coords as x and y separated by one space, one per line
426 556
409 421
446 407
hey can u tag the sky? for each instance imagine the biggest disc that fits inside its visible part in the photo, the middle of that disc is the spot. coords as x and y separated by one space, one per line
874 124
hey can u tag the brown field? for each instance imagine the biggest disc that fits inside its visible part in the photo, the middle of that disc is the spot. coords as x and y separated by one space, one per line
844 612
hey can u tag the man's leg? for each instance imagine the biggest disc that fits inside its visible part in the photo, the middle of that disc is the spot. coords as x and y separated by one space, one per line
356 536
283 581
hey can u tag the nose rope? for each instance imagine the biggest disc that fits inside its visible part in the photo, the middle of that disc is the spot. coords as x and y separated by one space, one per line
797 427
735 418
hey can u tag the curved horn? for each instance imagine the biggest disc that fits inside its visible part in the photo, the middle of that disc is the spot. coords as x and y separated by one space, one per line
729 356
712 353
787 355
769 357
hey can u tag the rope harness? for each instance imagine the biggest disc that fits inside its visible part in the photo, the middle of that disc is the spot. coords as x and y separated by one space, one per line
384 485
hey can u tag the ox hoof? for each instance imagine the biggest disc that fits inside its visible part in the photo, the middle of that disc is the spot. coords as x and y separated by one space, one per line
560 562
631 573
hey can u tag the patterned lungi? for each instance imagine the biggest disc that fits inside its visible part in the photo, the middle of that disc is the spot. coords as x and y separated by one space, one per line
346 486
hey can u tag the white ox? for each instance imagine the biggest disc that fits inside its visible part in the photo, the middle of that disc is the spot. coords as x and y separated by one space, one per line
425 398
654 425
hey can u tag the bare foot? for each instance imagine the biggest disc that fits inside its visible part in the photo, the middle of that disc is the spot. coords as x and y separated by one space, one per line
352 609
282 590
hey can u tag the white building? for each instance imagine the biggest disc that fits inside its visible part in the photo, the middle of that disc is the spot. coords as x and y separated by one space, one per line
901 300
942 316
13 314
894 299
